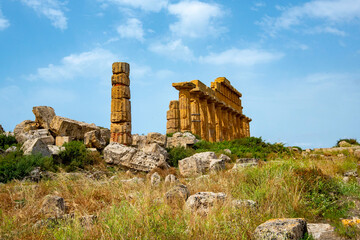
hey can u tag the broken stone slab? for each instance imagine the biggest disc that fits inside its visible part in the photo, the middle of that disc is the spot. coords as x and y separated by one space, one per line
177 196
217 165
105 134
281 229
202 202
155 179
43 116
62 126
43 134
93 139
181 140
322 231
225 158
132 158
53 206
155 137
155 148
138 141
171 179
35 146
21 130
11 149
198 163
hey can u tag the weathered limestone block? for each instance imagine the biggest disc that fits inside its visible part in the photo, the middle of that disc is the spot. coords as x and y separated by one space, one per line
198 163
42 134
173 124
122 137
239 203
93 139
35 146
22 128
217 165
105 134
181 140
60 140
202 202
118 117
281 229
171 179
155 137
120 127
120 105
177 196
173 114
43 116
132 158
120 78
55 150
121 67
322 231
62 126
53 206
155 148
138 141
120 91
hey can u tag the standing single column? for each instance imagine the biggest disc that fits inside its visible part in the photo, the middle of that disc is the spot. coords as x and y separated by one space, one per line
195 113
173 117
230 125
211 120
120 104
218 117
184 104
224 123
204 118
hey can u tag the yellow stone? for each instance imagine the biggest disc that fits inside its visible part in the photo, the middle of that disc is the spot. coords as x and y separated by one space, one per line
120 78
120 91
121 67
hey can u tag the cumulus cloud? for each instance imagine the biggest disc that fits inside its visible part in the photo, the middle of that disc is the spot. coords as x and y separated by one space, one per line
331 11
86 65
195 19
131 29
51 9
146 5
173 49
241 57
4 23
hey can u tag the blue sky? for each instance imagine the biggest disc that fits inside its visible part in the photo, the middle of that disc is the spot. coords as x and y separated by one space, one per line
297 63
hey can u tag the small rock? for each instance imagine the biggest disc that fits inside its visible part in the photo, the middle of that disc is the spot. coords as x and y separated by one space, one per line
155 179
177 195
352 173
53 206
11 149
92 150
344 144
36 175
171 179
135 180
217 165
228 151
198 163
243 203
88 220
322 231
281 229
202 202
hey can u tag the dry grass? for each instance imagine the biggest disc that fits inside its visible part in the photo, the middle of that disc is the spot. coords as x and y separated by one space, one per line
137 211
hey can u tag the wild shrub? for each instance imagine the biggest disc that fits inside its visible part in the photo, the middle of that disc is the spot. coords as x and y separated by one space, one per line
7 141
351 141
75 156
178 153
15 165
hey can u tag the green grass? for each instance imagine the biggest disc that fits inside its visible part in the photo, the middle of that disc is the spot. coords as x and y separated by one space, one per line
7 141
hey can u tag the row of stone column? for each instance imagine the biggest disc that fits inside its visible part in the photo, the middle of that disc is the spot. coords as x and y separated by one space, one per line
203 115
120 104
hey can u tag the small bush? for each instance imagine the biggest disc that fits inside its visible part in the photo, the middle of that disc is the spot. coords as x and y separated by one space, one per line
75 156
16 166
351 141
7 141
178 153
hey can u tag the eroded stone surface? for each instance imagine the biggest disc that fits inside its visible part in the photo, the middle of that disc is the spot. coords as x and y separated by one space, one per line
281 229
93 139
322 231
53 206
43 116
35 146
181 140
198 163
76 130
177 195
202 202
155 137
155 179
21 130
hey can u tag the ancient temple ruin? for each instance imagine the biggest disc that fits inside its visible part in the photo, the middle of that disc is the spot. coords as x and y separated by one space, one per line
120 104
213 113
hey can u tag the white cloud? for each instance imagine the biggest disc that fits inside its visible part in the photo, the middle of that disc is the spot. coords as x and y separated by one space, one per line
51 9
146 5
331 11
257 6
195 19
95 64
132 29
174 50
4 23
241 57
330 30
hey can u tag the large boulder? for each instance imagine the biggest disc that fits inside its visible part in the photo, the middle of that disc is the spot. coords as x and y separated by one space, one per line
43 116
156 149
35 146
133 158
198 163
93 139
181 140
67 127
155 137
202 202
138 141
21 130
281 229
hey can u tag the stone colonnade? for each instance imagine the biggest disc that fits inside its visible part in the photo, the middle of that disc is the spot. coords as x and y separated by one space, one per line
120 104
213 113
